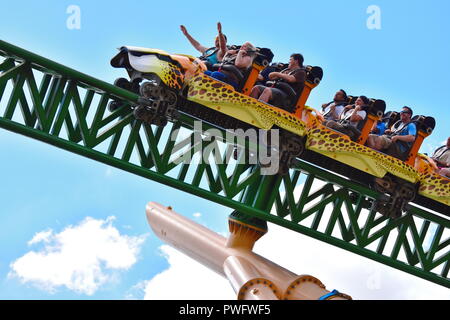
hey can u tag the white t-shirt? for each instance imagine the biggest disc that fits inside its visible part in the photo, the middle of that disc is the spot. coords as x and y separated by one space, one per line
348 114
442 155
336 114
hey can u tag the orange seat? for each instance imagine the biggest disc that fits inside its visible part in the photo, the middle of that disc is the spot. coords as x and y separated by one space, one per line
252 78
313 77
425 126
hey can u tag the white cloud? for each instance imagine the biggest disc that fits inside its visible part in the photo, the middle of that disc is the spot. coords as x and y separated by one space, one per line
197 215
137 291
43 236
186 279
81 258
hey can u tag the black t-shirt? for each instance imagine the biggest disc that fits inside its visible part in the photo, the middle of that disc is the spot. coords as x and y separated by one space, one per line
300 76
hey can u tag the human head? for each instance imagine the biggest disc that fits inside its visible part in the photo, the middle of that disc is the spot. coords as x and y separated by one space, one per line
406 114
216 41
296 60
362 101
249 48
448 142
341 95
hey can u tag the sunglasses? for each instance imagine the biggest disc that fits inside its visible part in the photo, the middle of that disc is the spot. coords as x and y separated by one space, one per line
405 112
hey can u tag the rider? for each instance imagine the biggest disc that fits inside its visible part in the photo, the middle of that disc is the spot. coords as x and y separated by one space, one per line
294 76
214 54
241 59
350 119
398 140
333 109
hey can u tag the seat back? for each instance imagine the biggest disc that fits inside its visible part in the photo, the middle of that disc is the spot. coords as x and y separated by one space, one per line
390 118
313 77
425 126
375 111
231 68
351 99
263 58
251 76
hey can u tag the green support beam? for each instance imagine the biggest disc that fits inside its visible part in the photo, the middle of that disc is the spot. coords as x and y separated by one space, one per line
49 102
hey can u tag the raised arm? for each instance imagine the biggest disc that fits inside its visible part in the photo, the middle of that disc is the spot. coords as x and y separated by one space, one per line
193 42
222 43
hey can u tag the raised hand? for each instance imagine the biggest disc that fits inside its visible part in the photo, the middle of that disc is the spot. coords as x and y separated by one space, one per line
183 29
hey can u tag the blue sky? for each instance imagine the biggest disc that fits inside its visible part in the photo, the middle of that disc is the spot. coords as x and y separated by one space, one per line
44 188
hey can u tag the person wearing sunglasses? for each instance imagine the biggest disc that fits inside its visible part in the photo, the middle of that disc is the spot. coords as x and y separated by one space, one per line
396 141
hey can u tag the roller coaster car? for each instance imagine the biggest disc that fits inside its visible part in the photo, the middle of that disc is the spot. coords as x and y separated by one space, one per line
397 178
177 83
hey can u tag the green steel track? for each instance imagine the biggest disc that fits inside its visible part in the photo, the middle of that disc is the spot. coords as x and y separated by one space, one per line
52 103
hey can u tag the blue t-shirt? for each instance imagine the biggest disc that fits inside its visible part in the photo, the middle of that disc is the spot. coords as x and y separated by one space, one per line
381 128
410 129
213 55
